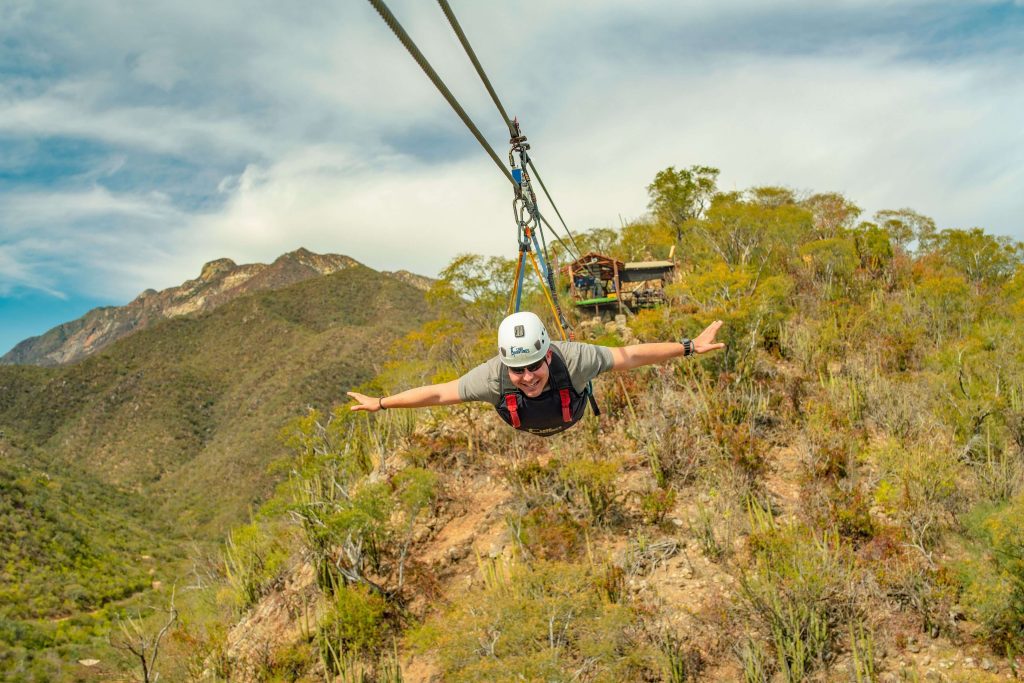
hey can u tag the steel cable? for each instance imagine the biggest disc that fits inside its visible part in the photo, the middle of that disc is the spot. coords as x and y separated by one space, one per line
410 46
450 15
403 37
568 249
551 201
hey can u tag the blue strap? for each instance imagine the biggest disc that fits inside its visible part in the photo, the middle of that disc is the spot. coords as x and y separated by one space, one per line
540 257
519 285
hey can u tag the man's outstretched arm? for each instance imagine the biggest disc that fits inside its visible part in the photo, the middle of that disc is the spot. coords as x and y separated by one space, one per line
629 357
421 397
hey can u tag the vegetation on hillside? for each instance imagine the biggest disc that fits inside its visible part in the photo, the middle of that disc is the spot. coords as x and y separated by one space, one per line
844 482
73 549
165 436
851 465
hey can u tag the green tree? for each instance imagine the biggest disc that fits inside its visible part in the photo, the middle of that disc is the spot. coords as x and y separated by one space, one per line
906 225
644 240
679 196
833 260
744 232
602 240
874 247
979 256
479 286
832 213
772 197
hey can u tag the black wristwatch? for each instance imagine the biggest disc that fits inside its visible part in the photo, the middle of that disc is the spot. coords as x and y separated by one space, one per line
688 349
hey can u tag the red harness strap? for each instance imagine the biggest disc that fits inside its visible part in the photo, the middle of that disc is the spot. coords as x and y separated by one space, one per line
513 409
566 412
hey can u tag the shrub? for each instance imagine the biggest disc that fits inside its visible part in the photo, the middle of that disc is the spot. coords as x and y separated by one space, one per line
354 525
799 590
918 486
289 663
550 621
657 503
712 527
665 425
591 483
254 559
736 417
354 623
994 578
549 532
832 261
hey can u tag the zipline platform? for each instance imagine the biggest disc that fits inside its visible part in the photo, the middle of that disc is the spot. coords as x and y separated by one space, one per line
607 283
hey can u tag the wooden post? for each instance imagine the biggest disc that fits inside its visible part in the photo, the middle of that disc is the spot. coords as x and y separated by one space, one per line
618 285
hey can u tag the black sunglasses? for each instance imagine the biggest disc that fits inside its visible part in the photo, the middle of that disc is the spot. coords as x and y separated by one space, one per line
532 367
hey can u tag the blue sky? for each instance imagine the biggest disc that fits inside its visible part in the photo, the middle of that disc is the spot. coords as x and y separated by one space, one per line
141 140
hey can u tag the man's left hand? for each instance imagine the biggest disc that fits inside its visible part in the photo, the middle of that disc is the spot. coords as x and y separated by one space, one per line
705 341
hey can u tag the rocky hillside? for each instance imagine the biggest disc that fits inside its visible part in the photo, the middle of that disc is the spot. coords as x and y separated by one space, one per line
837 495
418 281
219 282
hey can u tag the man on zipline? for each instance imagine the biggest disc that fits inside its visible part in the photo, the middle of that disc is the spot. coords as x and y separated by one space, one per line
536 385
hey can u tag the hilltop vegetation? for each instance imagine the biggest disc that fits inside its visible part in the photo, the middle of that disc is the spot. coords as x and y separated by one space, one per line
71 546
837 495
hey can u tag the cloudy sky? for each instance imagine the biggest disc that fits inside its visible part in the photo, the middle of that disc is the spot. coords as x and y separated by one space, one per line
139 140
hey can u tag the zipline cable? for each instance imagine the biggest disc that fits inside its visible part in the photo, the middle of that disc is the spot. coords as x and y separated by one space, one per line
517 139
461 35
551 201
565 246
410 46
450 15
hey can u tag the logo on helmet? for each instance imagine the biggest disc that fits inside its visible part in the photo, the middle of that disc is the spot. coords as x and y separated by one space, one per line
519 350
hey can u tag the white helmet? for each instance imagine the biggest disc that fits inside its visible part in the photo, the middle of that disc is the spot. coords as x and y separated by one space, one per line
522 339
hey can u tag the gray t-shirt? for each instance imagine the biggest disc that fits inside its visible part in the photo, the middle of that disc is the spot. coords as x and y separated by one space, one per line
585 362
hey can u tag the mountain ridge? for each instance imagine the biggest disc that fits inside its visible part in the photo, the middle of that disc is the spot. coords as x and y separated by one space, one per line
219 282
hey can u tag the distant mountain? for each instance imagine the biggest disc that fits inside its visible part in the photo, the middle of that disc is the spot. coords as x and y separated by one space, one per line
188 411
418 281
219 282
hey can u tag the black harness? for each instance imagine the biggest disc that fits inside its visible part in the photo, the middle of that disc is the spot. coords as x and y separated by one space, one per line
557 408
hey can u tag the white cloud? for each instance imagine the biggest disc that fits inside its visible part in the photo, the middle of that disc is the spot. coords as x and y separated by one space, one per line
15 271
392 213
57 211
158 67
77 110
60 241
